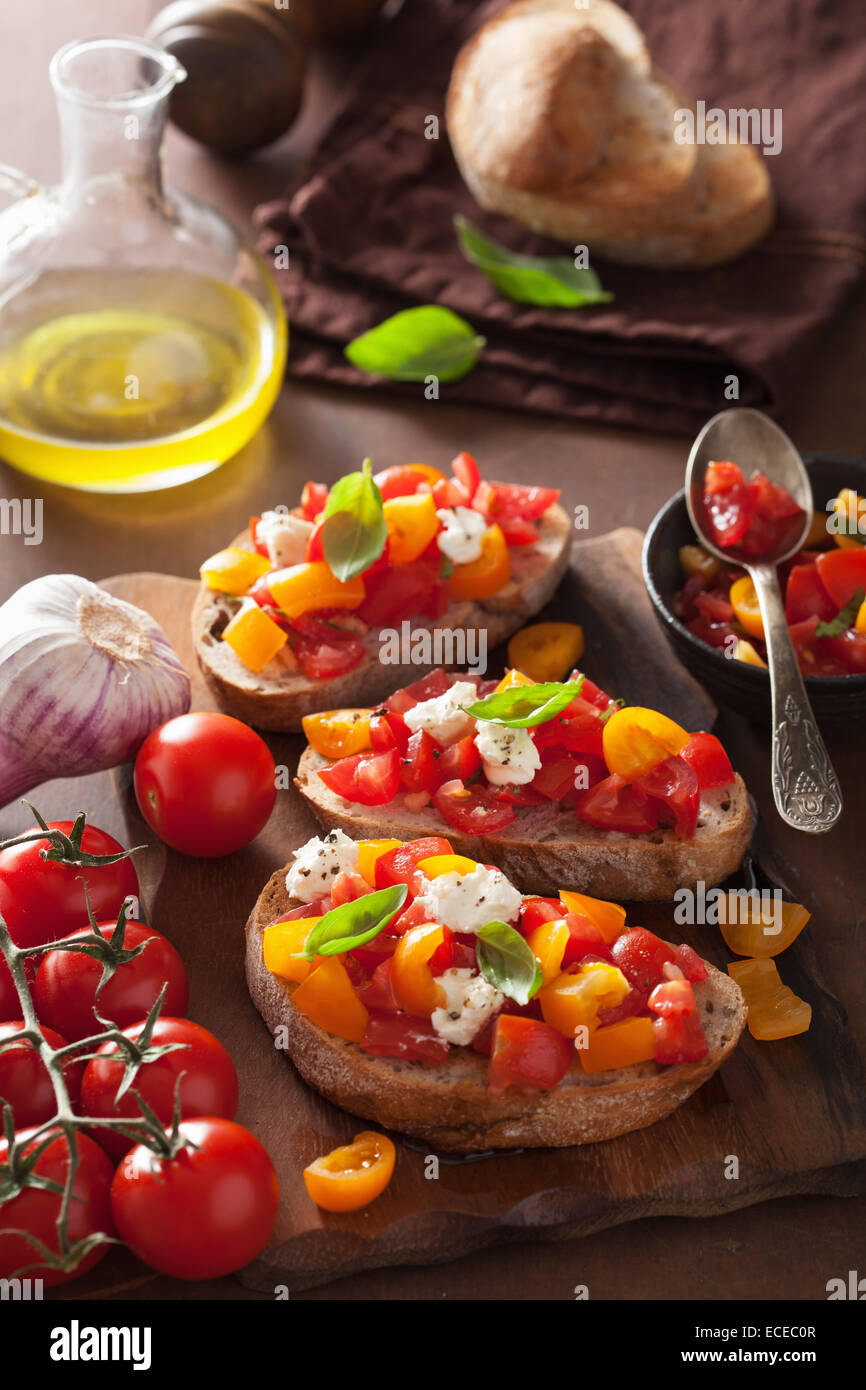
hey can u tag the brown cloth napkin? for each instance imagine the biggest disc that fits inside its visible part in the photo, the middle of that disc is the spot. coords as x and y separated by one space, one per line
369 224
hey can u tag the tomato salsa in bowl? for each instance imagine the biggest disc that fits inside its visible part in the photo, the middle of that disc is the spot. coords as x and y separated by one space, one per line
707 616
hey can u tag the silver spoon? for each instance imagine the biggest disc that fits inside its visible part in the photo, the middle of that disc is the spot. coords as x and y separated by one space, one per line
805 786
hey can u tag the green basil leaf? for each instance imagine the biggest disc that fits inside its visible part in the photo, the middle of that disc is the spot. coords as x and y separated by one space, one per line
354 924
525 706
505 959
417 343
846 617
354 532
550 281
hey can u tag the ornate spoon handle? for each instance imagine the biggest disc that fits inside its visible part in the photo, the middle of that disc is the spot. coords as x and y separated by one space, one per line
805 786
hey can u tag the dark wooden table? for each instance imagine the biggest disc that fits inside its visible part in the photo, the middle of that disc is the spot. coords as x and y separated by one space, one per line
786 1249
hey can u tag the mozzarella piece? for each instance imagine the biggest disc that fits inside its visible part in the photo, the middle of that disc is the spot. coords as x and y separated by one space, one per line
465 902
317 864
286 537
442 716
509 756
460 541
469 1002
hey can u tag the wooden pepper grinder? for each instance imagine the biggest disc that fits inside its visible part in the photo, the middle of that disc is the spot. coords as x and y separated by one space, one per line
245 62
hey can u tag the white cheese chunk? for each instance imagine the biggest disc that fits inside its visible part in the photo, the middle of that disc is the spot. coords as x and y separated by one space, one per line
469 1002
465 902
317 864
460 541
509 756
442 716
286 537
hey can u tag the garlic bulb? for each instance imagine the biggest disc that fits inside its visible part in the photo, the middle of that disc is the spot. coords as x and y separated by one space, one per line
84 678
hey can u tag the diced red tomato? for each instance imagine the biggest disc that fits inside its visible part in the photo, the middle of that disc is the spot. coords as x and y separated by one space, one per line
373 953
258 544
715 606
592 693
516 531
848 649
472 810
457 952
816 655
705 754
467 473
690 963
514 501
405 1036
347 888
395 592
842 573
414 915
615 804
535 911
419 767
371 779
674 783
805 595
378 992
679 1038
728 503
633 1004
314 499
325 660
461 760
389 730
527 1054
427 688
640 956
672 997
401 480
556 775
398 865
584 939
513 795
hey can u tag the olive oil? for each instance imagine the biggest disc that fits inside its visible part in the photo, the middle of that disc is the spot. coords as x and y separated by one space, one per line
133 380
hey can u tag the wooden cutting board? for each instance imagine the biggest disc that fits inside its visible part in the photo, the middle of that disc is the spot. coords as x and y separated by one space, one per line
791 1113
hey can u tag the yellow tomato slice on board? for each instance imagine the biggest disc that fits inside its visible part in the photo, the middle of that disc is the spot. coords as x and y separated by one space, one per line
353 1175
759 929
775 1011
635 740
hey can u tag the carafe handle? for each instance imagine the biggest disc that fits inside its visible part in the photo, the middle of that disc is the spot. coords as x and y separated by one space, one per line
14 185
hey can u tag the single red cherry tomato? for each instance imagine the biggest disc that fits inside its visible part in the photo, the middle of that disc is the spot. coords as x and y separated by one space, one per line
36 1210
41 900
66 983
205 1212
205 783
209 1084
24 1080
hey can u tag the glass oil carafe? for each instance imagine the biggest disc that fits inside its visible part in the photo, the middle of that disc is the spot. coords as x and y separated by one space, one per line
142 342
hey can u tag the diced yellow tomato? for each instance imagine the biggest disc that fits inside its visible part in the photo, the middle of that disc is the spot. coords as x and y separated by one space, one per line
635 740
353 1175
749 933
512 678
234 570
853 508
695 560
744 602
744 651
618 1045
327 997
304 588
337 733
414 987
570 1001
775 1011
546 651
281 941
439 864
486 575
547 942
608 917
412 523
254 637
368 852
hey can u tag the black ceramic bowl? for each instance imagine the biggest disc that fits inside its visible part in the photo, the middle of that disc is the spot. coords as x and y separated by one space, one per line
744 688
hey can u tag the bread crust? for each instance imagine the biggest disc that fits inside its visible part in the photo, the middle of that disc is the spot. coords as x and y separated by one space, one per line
278 698
544 847
449 1106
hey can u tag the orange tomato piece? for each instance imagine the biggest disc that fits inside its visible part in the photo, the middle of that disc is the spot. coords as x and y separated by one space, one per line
439 864
280 943
635 740
511 678
571 1001
548 942
744 601
327 997
745 652
609 918
368 852
750 932
775 1011
485 576
353 1175
337 733
254 637
234 570
546 651
412 523
304 588
414 987
618 1045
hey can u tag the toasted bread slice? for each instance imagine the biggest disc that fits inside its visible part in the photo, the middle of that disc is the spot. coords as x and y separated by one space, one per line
449 1106
278 698
546 848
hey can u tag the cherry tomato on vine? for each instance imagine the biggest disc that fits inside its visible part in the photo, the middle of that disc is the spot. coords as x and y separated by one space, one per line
209 1085
35 1210
24 1080
66 982
41 900
205 783
203 1213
